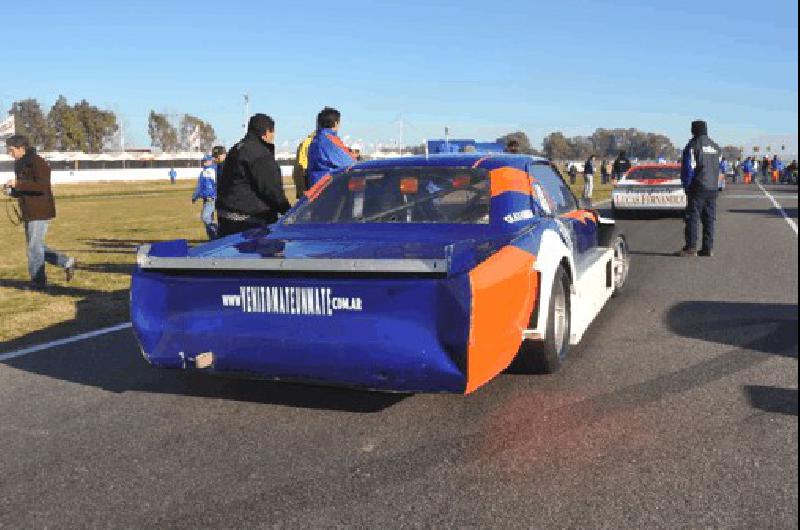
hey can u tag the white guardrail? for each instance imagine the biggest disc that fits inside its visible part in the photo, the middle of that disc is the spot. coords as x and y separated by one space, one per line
121 175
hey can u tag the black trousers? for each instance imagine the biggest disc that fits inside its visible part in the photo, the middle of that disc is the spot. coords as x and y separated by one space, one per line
701 207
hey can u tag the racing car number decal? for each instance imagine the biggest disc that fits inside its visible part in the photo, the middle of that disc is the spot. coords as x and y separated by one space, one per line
311 301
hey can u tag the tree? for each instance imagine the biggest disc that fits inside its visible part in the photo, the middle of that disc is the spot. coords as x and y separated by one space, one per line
731 152
68 131
162 134
557 147
522 138
31 122
98 125
196 134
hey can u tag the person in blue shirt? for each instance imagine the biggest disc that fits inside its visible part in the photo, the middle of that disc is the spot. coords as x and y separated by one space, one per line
206 189
327 153
173 175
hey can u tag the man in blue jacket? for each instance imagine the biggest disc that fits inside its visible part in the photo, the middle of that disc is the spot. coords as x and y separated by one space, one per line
327 152
700 179
206 189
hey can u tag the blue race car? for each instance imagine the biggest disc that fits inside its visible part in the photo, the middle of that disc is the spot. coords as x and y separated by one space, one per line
420 274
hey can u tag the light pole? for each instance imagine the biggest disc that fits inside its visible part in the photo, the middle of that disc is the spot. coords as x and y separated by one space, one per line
246 112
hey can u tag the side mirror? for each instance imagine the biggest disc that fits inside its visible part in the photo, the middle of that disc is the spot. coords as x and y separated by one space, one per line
584 204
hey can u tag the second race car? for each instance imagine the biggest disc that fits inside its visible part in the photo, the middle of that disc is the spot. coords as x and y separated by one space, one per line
648 188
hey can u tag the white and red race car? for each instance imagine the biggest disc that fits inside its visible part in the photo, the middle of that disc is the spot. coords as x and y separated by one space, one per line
649 187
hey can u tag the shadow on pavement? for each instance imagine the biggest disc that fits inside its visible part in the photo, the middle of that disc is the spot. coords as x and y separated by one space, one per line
763 327
769 212
773 400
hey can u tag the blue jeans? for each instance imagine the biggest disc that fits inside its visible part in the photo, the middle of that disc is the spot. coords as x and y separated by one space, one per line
39 254
701 207
207 215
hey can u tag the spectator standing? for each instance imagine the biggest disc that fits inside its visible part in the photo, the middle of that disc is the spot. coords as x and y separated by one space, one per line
777 167
765 169
748 168
512 146
300 169
737 170
700 179
31 186
573 174
218 153
588 177
206 190
327 153
173 175
250 194
621 166
604 174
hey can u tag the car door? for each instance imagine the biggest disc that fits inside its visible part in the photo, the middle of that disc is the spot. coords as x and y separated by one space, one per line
579 224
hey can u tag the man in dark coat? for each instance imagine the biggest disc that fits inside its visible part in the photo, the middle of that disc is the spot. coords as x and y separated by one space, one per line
250 190
31 186
700 179
621 166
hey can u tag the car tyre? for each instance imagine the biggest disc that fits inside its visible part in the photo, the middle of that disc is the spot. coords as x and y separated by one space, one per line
620 265
548 355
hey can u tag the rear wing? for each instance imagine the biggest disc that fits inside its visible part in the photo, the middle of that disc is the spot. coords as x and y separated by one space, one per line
172 260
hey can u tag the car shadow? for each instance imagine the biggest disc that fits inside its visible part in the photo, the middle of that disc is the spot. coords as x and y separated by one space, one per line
772 399
763 327
114 363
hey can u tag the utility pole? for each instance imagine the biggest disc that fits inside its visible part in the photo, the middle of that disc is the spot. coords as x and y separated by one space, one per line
447 139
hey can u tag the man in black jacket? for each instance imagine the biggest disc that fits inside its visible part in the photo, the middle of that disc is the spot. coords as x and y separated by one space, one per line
700 179
250 190
621 166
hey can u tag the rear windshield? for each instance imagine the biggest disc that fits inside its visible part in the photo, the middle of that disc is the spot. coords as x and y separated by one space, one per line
655 173
399 195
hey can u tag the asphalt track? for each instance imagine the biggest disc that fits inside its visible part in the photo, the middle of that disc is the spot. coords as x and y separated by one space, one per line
678 410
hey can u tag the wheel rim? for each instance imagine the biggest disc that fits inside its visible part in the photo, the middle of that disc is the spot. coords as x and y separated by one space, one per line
621 264
559 318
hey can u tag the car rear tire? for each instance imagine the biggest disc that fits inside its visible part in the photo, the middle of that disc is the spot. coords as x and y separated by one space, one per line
548 355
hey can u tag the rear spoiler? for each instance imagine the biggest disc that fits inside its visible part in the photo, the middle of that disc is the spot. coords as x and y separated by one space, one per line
186 263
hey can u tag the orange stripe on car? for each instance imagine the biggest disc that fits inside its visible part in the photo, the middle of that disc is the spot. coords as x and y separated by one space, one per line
507 179
503 292
581 215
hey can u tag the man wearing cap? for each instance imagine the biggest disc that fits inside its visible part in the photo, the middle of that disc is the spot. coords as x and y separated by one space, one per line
700 179
206 190
327 152
250 193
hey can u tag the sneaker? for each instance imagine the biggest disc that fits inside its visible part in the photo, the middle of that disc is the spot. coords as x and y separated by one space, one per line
686 252
706 253
69 269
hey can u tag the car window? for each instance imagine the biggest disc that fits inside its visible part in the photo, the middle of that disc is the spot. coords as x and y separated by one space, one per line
399 195
561 198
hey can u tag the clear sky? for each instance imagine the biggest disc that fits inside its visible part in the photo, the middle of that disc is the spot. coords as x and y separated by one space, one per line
481 68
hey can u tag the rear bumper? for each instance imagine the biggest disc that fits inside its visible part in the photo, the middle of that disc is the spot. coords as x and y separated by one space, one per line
393 334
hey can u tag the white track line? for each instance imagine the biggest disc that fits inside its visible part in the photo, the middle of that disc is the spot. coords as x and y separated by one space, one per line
777 206
61 342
